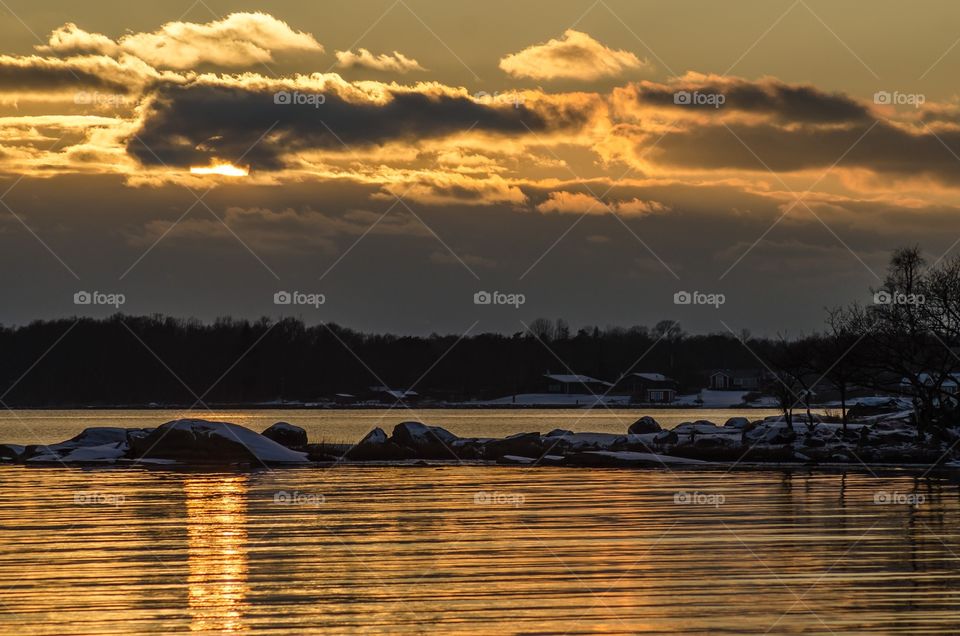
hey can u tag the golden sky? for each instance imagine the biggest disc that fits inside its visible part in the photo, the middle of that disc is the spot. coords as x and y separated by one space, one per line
599 156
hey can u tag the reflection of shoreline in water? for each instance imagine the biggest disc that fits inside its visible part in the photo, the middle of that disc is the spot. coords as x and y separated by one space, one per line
216 510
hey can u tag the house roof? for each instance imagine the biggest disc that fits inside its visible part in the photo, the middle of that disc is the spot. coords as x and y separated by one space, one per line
394 393
739 373
574 379
400 394
653 377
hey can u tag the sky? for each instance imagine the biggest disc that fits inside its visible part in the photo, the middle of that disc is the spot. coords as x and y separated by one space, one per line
419 166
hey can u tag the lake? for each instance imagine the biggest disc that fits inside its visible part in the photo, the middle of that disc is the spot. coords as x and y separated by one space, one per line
471 549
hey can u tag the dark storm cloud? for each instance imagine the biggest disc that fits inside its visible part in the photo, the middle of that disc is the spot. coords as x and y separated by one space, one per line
769 97
189 125
884 149
24 74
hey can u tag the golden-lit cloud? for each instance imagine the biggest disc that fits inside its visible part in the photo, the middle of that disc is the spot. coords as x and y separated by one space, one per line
147 107
396 62
564 202
238 40
575 55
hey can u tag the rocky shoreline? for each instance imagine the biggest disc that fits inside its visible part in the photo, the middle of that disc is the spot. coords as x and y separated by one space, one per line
882 439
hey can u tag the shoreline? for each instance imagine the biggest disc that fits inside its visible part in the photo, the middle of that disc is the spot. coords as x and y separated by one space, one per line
241 406
885 441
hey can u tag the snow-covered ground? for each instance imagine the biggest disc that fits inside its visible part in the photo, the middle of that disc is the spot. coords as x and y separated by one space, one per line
723 399
558 399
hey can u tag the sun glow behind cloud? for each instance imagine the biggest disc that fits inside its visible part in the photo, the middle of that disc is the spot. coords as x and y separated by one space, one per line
222 169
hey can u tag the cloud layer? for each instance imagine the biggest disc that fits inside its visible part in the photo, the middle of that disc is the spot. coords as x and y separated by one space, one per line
575 55
238 40
396 62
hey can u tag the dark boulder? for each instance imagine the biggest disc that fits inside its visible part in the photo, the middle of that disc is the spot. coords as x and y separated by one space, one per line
665 438
11 452
645 424
739 423
376 446
521 444
286 435
427 442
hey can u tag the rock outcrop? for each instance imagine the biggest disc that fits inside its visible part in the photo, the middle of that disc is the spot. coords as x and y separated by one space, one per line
287 435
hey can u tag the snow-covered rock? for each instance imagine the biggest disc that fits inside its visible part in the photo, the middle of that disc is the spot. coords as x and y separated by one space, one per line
416 434
590 441
94 436
376 446
738 423
773 433
201 441
287 435
102 454
375 437
700 427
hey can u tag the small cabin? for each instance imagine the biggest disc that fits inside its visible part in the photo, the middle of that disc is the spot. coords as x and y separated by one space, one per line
648 388
738 379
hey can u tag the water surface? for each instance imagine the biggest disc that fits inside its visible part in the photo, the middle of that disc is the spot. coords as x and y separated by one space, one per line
476 550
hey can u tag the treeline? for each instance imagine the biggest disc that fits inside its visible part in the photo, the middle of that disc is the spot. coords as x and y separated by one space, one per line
906 341
156 359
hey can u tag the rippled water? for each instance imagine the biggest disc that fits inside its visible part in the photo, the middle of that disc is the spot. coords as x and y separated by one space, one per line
337 426
476 550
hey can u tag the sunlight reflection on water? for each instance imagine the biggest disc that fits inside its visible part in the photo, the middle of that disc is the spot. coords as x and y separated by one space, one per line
475 550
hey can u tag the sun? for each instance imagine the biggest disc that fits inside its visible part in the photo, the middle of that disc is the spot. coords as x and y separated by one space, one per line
223 169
